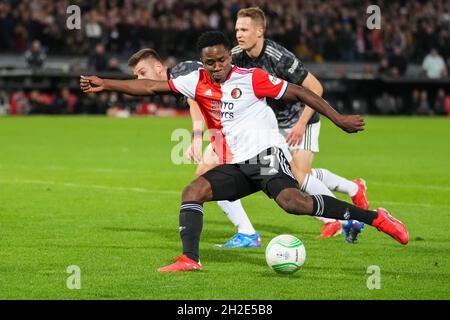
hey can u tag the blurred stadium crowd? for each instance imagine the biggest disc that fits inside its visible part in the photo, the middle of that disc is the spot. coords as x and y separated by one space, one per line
315 29
319 31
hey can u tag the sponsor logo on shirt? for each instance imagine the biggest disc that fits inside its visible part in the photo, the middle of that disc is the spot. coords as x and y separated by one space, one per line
274 80
222 110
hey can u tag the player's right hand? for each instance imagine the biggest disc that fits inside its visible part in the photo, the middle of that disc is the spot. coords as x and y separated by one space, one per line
296 134
351 123
91 84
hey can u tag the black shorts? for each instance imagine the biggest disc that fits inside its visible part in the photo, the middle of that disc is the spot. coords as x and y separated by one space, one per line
269 171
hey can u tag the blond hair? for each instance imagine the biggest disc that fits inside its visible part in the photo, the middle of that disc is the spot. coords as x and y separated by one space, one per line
254 13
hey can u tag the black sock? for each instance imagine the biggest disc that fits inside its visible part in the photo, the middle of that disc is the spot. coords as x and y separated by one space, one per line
329 207
191 225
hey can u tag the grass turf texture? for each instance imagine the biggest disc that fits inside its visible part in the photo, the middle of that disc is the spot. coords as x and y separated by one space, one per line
104 195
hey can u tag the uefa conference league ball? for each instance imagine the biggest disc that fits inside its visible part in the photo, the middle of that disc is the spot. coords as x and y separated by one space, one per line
285 254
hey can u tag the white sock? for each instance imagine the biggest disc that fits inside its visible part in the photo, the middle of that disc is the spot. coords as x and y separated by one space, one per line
237 215
335 182
312 186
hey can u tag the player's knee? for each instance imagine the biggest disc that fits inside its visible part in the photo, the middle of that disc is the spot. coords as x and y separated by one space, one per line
299 173
200 171
198 190
300 176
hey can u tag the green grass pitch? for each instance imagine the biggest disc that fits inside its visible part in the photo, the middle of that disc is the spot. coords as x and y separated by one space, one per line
103 194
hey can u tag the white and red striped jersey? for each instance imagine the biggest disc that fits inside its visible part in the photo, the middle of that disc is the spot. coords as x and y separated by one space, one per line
240 123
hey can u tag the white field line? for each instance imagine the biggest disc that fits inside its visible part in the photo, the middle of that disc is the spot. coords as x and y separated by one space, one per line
178 192
410 186
410 204
60 168
127 171
89 186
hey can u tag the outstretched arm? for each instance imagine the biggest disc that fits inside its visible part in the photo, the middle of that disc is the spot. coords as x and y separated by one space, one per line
352 123
133 87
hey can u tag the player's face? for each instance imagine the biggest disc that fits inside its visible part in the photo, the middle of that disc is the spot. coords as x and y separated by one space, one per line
247 33
217 62
149 69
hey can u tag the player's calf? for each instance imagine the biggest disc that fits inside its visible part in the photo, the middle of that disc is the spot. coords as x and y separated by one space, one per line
324 206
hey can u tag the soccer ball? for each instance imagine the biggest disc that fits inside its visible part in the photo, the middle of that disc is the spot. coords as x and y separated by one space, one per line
285 254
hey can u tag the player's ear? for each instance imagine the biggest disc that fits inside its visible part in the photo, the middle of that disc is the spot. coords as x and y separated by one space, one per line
158 66
260 31
230 57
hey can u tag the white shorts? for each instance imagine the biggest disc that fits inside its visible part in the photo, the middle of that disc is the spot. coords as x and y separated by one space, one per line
310 140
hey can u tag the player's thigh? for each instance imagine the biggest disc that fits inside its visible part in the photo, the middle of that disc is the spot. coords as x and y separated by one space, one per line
228 182
272 176
209 161
199 190
303 153
301 163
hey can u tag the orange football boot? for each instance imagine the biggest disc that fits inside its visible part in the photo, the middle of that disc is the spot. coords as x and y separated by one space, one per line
393 227
331 229
182 264
360 199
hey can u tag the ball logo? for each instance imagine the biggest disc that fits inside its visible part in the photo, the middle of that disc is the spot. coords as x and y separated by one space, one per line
274 80
236 93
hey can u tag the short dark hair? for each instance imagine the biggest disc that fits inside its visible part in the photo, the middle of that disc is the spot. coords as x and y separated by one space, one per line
143 54
212 38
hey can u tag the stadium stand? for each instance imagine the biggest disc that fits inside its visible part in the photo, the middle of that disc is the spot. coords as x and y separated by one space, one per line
370 71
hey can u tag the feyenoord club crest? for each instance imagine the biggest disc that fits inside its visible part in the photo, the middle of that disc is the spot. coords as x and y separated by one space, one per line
236 93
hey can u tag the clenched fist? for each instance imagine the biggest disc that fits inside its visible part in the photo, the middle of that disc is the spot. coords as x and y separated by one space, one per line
91 84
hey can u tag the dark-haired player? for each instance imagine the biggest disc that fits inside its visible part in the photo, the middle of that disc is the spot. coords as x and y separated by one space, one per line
147 64
245 137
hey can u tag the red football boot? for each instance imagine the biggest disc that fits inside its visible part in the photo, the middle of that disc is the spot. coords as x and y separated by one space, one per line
182 264
359 199
393 227
331 229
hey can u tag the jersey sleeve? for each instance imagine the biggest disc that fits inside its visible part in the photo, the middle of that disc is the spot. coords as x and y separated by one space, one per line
183 68
266 85
185 85
291 68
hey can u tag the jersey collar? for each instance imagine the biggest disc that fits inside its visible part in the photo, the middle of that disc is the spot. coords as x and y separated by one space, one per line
260 54
231 71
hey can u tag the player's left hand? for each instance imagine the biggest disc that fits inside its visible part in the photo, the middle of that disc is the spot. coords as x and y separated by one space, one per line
296 134
91 84
194 151
351 123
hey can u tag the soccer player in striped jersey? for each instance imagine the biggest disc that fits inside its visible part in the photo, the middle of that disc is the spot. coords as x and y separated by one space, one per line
245 137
